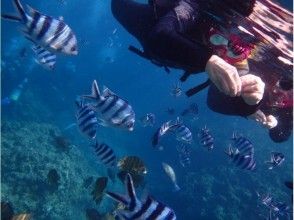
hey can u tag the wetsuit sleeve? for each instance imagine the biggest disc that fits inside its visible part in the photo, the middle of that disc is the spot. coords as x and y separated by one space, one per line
167 42
221 103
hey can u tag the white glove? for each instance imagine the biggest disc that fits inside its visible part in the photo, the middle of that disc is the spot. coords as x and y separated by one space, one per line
224 76
252 89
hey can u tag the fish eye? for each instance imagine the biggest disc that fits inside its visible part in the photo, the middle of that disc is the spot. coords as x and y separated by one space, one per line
74 48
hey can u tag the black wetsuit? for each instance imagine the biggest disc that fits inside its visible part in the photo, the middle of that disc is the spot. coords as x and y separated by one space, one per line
174 38
171 38
164 39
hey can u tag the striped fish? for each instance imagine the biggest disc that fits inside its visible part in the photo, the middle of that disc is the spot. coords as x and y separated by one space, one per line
277 209
105 154
44 57
112 110
162 130
276 160
148 120
50 33
206 139
176 90
244 146
86 119
184 155
282 209
137 209
181 131
246 162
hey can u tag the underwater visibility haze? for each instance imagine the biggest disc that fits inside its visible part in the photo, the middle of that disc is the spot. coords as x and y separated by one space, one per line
90 130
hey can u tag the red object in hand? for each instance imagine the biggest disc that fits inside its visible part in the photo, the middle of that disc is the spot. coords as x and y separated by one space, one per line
230 48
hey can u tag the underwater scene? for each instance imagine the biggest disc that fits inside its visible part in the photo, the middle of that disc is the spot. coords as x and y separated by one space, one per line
98 120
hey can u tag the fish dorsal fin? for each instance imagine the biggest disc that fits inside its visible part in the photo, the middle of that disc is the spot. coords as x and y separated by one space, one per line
61 18
95 90
237 151
131 193
36 47
95 93
178 121
32 11
107 92
130 189
117 197
11 17
234 136
165 127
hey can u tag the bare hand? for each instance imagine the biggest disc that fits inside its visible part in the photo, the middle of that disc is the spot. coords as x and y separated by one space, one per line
252 89
267 121
224 76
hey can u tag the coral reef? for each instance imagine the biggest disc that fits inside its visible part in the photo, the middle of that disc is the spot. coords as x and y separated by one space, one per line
88 182
28 153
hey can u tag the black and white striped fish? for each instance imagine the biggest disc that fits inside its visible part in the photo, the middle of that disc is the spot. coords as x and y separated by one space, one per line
184 155
162 130
44 57
181 131
206 139
244 161
86 119
105 154
50 33
244 146
276 160
277 209
176 90
112 110
140 209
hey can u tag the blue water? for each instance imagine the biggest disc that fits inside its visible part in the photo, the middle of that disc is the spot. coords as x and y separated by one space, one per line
211 188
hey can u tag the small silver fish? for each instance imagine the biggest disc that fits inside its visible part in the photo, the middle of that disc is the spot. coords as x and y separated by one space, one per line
171 174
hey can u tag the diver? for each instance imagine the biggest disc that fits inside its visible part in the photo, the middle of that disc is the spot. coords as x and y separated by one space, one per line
15 94
185 34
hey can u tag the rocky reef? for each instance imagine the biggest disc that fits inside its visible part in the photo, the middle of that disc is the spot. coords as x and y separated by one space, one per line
43 174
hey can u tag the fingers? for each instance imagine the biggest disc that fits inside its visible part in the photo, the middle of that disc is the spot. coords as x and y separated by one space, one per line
252 89
233 82
267 121
224 76
271 122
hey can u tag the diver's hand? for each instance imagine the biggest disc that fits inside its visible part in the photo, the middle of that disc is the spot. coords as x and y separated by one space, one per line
224 76
271 122
267 121
252 89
